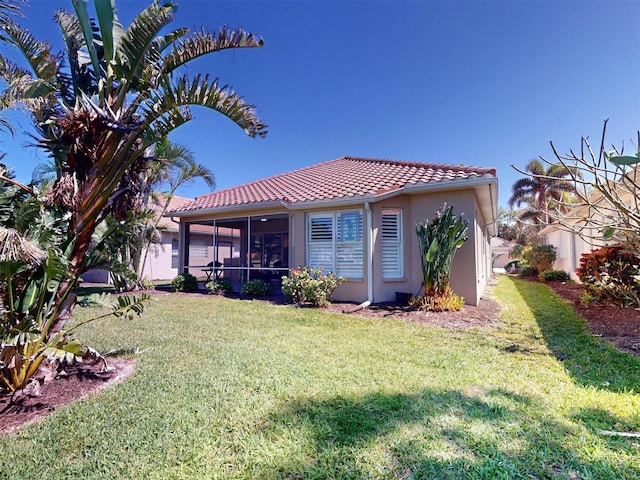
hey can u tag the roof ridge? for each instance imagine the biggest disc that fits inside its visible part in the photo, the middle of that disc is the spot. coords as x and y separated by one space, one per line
411 163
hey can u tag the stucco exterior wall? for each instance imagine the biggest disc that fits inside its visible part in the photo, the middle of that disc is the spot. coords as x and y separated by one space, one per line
472 263
385 289
350 290
468 275
569 248
158 264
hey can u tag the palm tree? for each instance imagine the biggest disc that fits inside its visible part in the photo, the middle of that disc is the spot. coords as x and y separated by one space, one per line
8 9
177 168
104 101
541 189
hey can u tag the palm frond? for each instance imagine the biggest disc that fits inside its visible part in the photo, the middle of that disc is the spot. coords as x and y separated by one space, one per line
37 54
16 248
200 91
80 79
190 170
535 167
163 125
138 39
9 8
203 42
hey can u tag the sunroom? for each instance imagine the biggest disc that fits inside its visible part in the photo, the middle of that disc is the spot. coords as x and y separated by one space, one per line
239 248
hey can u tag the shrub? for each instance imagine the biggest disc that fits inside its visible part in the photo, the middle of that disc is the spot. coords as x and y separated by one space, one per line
147 284
311 285
554 276
219 287
587 299
527 271
611 275
185 282
540 257
447 302
256 288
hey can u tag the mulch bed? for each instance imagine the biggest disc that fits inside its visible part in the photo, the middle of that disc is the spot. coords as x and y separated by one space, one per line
74 383
621 326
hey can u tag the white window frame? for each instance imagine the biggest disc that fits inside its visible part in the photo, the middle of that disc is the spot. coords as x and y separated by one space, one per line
338 250
175 252
392 251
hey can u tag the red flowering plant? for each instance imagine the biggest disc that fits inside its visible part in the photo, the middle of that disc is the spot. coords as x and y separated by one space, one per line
611 275
311 285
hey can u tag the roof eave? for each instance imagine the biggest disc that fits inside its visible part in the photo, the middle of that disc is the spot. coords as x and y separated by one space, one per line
229 209
489 212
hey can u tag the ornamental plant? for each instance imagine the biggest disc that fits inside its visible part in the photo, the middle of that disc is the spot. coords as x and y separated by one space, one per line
219 287
540 257
439 239
185 282
554 276
256 288
311 285
96 108
611 275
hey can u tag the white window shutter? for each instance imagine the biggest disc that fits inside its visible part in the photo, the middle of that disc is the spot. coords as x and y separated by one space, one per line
320 246
392 247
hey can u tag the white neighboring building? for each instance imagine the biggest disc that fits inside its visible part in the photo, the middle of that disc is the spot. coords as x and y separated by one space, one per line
500 249
569 248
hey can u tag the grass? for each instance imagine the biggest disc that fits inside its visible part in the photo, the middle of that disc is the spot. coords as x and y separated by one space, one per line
235 389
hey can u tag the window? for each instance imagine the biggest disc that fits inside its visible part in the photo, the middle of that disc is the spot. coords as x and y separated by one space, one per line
392 254
198 248
174 252
334 242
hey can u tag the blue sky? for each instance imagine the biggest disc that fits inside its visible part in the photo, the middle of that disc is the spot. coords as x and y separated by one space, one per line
477 83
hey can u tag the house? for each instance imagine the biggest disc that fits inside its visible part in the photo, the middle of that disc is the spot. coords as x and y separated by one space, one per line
352 216
500 249
574 237
161 262
582 228
162 259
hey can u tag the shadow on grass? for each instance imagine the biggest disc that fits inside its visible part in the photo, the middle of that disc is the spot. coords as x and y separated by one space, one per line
431 434
589 360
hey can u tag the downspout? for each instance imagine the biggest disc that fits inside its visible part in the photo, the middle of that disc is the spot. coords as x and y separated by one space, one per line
367 208
365 304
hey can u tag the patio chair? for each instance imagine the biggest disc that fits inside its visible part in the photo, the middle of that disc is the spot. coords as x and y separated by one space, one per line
213 268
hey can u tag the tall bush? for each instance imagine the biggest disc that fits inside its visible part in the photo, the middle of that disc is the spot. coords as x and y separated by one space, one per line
540 257
438 240
611 275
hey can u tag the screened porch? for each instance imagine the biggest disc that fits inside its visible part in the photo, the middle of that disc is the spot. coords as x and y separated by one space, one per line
238 249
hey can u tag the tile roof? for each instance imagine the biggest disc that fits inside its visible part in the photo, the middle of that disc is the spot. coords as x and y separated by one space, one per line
343 178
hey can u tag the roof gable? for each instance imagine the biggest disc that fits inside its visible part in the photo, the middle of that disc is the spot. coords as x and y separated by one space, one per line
342 178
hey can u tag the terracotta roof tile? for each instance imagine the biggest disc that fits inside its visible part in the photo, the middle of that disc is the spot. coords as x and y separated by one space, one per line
340 178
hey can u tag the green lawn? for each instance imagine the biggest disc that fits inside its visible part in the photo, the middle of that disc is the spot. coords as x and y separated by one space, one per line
238 389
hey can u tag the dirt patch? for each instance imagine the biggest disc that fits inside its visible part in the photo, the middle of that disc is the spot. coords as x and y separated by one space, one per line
620 326
470 316
74 383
